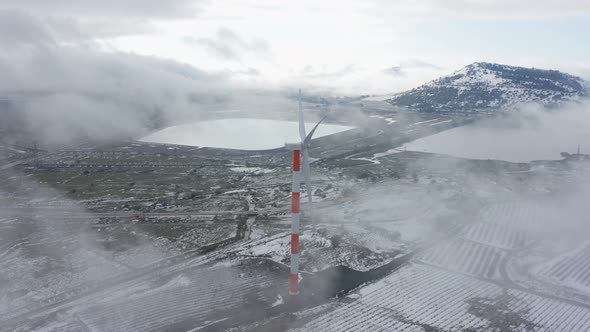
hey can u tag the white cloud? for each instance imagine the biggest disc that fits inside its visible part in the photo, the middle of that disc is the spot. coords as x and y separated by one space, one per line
475 8
18 28
58 92
354 80
229 45
77 20
353 47
107 8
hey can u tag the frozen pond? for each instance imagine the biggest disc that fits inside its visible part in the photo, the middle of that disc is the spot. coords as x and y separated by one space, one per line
242 134
522 138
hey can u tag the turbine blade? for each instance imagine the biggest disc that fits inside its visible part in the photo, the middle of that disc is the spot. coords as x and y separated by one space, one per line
307 174
306 164
301 120
310 135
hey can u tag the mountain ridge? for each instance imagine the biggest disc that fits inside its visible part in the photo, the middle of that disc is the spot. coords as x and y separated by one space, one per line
484 86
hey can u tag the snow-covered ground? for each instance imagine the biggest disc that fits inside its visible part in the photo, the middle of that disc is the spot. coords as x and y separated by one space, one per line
386 219
388 119
252 170
465 232
242 134
379 97
421 298
177 300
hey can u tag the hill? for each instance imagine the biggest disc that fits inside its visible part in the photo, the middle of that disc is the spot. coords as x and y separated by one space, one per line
488 87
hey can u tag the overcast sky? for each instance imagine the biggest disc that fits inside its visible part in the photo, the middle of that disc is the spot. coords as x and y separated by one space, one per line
344 46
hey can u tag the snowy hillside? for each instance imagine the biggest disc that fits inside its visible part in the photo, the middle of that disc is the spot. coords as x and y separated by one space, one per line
488 87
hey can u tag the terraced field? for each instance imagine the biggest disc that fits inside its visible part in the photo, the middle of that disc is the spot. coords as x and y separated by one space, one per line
193 298
462 283
186 300
497 235
520 216
465 256
572 269
422 298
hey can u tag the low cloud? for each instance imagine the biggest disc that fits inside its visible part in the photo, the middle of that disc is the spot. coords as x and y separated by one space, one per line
17 28
325 73
60 93
476 8
107 8
229 45
355 80
78 20
530 133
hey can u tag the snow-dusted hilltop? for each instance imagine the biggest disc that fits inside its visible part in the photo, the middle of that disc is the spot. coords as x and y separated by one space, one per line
485 86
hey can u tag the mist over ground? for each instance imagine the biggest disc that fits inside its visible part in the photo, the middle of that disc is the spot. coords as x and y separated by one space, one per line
57 92
530 133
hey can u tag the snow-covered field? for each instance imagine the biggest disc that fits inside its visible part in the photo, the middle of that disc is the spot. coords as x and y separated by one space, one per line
467 257
241 134
385 219
176 300
472 281
571 269
421 298
379 97
518 139
388 119
455 238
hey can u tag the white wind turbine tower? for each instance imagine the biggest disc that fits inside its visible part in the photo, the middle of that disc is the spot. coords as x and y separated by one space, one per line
300 149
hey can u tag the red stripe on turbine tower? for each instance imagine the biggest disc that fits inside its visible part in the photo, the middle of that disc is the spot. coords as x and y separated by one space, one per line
296 160
295 209
295 202
294 243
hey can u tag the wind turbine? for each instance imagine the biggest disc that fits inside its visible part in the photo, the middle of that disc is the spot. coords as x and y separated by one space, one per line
300 150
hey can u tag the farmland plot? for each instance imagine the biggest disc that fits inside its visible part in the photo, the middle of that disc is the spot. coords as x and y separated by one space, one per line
466 257
419 298
39 261
500 236
168 300
521 216
571 269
